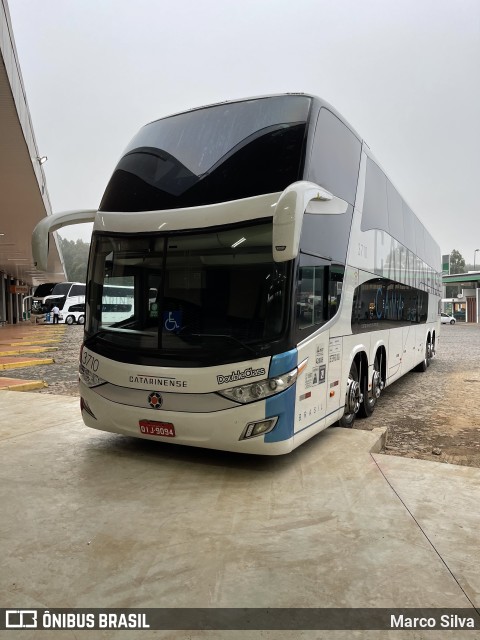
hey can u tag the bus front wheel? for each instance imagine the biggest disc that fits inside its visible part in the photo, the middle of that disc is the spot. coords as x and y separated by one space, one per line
353 398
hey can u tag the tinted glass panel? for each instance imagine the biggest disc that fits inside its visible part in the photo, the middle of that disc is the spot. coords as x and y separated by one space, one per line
420 239
44 289
383 304
319 290
61 289
327 235
395 213
310 296
77 290
375 212
409 228
192 298
216 154
79 308
335 157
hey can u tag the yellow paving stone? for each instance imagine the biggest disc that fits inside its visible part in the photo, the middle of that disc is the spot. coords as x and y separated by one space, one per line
27 350
15 363
27 342
14 384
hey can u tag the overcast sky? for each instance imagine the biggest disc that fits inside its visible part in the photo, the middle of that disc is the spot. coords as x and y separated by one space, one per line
404 73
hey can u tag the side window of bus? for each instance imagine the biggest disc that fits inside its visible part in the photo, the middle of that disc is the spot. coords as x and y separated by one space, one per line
335 286
319 290
310 296
77 290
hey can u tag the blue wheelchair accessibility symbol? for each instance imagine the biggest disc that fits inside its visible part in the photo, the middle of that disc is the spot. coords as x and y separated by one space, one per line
172 321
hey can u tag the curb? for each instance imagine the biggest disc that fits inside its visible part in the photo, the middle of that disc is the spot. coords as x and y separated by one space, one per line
26 351
381 434
28 343
25 363
23 385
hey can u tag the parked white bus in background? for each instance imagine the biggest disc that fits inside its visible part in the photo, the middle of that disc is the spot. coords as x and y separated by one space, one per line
66 295
47 295
292 282
117 304
73 311
35 304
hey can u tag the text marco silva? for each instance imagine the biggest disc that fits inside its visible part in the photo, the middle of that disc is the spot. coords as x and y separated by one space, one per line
446 621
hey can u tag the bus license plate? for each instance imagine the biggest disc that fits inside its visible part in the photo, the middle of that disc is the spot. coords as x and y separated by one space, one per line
154 428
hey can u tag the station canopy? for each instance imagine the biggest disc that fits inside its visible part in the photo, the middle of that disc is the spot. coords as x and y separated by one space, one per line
24 197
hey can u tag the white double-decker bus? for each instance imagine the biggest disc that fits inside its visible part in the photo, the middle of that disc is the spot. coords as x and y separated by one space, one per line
68 296
279 280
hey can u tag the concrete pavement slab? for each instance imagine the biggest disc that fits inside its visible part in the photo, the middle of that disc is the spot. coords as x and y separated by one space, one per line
95 519
444 500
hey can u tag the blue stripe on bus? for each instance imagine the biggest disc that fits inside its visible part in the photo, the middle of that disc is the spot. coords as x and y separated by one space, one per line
282 363
283 406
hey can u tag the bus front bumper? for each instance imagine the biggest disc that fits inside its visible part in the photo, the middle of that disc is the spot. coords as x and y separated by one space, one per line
214 430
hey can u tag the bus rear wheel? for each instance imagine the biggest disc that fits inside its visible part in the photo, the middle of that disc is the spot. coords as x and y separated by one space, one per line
81 320
69 320
353 398
423 366
370 398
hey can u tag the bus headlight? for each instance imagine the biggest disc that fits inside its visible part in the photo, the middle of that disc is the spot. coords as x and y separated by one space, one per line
254 391
89 378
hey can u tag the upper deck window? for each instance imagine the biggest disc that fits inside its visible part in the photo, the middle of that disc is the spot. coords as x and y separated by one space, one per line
61 289
77 290
335 159
215 154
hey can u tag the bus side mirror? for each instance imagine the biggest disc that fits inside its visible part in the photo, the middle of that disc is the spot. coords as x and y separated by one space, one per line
297 199
40 237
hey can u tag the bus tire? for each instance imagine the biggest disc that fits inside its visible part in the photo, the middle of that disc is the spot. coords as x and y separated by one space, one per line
69 320
370 401
81 320
423 366
352 398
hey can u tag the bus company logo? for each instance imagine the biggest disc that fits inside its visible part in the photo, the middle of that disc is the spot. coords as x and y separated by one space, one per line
155 400
155 381
241 375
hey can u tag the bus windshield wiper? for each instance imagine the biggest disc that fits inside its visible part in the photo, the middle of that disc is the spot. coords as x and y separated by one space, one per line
247 347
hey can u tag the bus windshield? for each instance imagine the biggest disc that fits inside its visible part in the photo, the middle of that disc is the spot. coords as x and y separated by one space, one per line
44 289
214 154
191 297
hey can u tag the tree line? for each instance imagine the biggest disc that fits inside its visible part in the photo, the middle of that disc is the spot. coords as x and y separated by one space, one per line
75 258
